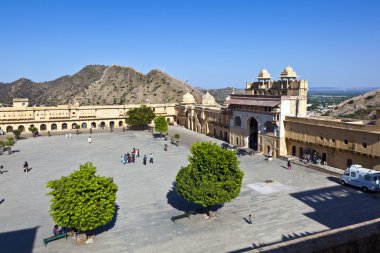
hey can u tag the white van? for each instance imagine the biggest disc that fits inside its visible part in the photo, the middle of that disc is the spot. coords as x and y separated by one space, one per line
361 177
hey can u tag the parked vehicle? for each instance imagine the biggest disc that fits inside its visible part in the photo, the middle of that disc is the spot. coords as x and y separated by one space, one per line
242 152
226 146
366 179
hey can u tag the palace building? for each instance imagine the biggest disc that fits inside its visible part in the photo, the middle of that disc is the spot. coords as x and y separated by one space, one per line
270 118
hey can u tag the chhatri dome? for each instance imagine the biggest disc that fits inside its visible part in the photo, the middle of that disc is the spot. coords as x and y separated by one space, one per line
188 98
264 75
208 99
288 73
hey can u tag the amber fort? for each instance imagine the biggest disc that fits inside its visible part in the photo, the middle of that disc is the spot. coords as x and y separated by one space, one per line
270 118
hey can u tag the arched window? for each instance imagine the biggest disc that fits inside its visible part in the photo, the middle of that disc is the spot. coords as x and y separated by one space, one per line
54 126
84 125
112 124
120 123
237 121
93 125
21 128
64 126
9 129
43 127
269 127
73 125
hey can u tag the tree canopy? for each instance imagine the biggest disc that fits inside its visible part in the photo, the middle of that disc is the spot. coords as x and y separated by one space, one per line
140 116
161 125
82 200
212 177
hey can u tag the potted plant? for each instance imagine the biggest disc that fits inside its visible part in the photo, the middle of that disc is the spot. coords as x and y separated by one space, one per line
17 134
176 136
9 143
33 130
77 128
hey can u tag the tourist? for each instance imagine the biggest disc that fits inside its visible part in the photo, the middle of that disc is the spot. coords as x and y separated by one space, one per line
70 135
133 157
26 167
121 159
89 140
144 160
289 164
138 152
151 158
67 136
125 158
57 230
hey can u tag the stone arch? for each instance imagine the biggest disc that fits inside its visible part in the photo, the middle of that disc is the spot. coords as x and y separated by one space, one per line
64 126
9 129
253 133
102 124
120 123
237 121
73 125
43 127
93 125
53 127
21 128
84 125
112 124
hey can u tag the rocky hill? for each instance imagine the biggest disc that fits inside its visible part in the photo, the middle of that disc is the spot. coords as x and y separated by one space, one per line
360 107
100 85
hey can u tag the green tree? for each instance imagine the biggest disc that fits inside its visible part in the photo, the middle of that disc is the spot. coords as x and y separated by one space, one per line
17 133
212 177
161 125
140 116
83 200
9 142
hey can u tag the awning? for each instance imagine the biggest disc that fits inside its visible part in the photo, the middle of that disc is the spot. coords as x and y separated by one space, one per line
252 101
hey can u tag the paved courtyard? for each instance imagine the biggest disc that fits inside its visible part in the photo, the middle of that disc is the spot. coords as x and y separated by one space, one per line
285 204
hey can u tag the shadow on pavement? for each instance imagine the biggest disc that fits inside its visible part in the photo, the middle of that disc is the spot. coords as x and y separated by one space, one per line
339 206
20 241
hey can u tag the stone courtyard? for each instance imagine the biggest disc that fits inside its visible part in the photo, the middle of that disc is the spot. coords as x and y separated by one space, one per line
284 204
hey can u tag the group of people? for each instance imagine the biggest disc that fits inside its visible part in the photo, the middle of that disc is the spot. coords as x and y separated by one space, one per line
131 157
68 136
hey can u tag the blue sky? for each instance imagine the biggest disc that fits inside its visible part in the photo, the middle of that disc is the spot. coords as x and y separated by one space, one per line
209 43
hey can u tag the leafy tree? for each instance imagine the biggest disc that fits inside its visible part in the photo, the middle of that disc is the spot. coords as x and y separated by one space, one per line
161 125
212 177
82 200
140 116
33 130
17 133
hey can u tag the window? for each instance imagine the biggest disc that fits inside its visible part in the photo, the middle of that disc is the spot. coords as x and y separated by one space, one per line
353 174
364 145
237 121
333 140
346 142
321 138
367 177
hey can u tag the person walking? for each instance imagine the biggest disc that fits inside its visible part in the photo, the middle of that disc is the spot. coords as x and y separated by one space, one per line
70 135
151 158
144 160
289 165
121 159
26 167
67 136
89 140
125 159
138 152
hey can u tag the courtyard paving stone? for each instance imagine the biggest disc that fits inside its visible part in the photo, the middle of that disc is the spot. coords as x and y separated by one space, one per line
311 202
